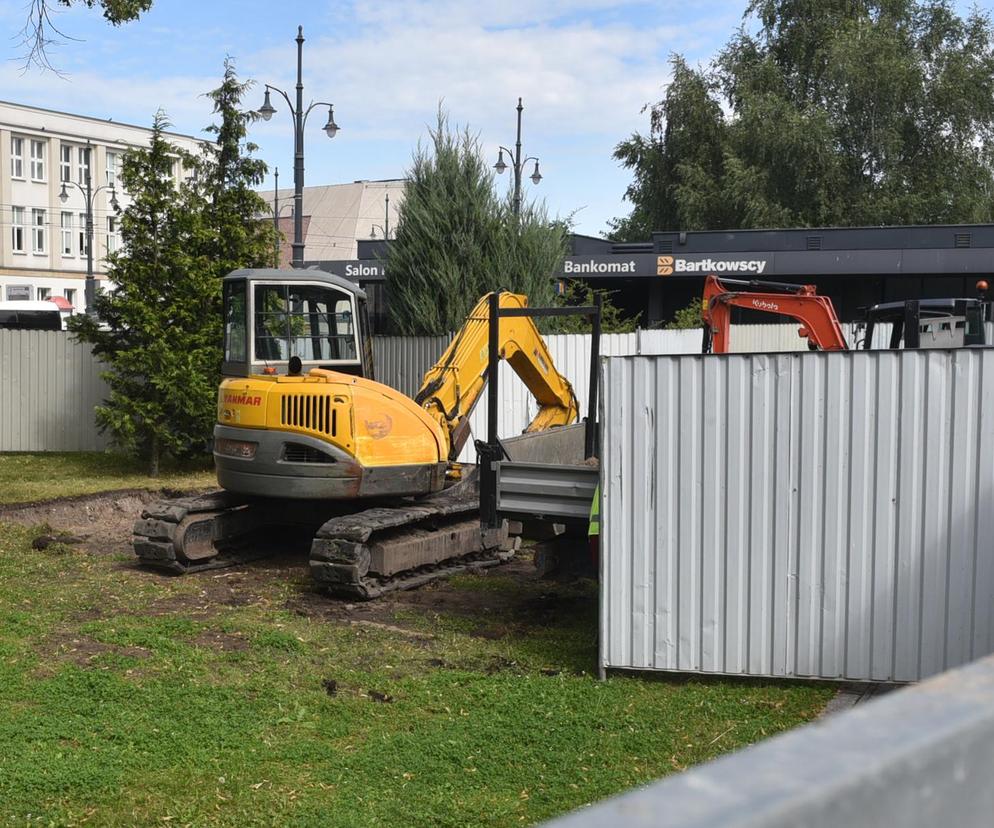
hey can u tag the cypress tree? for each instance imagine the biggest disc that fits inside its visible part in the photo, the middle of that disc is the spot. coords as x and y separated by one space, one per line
456 239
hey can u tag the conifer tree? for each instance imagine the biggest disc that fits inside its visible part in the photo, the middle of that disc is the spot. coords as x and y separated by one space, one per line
159 330
456 239
228 174
155 331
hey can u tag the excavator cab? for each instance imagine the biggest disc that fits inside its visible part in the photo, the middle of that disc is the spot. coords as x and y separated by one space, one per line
290 321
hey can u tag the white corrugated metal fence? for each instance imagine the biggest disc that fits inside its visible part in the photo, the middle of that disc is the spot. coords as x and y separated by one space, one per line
824 514
49 383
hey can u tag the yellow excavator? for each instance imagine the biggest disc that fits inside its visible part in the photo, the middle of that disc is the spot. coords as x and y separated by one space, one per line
308 442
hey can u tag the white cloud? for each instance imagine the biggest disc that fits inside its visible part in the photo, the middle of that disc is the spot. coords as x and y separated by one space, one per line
134 101
574 77
584 68
584 83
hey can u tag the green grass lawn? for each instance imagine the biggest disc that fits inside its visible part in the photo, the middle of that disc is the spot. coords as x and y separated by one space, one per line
129 698
29 477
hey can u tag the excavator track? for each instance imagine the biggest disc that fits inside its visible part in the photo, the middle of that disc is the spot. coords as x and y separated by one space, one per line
178 535
367 554
358 555
210 531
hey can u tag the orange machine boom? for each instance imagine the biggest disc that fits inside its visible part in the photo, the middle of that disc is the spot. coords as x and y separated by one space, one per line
819 323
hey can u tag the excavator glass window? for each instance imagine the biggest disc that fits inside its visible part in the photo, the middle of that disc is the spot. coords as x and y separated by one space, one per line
313 322
235 333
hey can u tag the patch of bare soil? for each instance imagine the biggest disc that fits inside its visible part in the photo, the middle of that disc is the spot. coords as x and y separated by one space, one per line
222 642
81 650
103 521
490 607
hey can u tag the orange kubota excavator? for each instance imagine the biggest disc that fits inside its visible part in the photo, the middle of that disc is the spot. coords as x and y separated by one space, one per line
819 323
914 323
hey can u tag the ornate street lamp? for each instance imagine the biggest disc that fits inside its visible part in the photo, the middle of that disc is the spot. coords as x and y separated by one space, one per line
89 193
299 115
518 164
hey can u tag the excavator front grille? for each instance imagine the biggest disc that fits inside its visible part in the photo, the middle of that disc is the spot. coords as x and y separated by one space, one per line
310 412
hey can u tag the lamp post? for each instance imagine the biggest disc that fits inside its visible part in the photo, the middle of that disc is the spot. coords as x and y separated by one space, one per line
385 227
299 115
519 164
277 209
89 193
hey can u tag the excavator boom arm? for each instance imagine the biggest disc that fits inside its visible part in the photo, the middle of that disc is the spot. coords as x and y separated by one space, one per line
820 325
453 386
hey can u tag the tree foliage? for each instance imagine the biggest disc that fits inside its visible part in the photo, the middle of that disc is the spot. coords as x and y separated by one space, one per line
159 330
227 175
456 239
687 317
833 112
580 293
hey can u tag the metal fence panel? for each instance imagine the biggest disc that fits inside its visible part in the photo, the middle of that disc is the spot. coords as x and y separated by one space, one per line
401 361
49 385
823 515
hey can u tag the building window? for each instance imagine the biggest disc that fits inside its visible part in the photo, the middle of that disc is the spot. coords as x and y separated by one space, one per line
37 160
38 231
67 234
111 169
16 157
17 229
43 293
70 294
82 165
84 247
65 163
111 234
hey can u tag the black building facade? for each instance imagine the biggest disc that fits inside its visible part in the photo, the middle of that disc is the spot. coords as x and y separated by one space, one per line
855 267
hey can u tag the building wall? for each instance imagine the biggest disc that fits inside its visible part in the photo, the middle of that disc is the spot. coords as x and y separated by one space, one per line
338 216
49 268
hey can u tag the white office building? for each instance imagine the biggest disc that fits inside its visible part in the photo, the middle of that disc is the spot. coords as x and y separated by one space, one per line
43 240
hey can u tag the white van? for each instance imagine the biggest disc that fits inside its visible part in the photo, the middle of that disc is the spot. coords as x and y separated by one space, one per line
24 315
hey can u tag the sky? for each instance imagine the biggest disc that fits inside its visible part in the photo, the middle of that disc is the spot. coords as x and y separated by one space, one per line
584 69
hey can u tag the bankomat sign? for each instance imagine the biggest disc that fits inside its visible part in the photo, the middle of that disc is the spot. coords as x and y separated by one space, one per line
592 267
668 265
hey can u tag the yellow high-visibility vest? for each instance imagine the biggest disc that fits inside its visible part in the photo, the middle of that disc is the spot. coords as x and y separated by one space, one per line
595 514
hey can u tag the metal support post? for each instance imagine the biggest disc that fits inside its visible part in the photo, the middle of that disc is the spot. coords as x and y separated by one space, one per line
490 451
590 445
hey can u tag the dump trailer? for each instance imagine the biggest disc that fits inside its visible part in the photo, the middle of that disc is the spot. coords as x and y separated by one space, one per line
307 442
